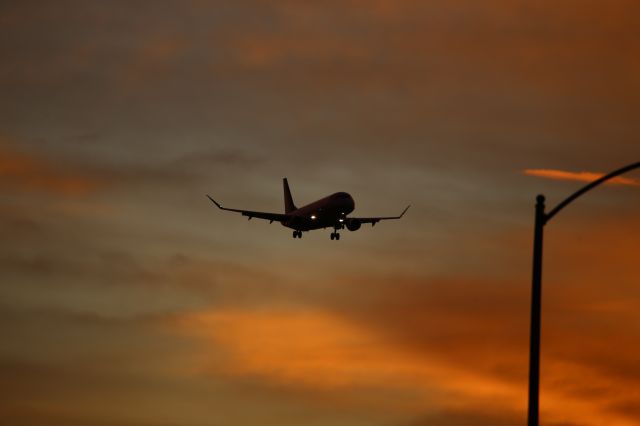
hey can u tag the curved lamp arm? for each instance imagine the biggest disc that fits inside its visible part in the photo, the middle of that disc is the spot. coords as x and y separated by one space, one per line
597 182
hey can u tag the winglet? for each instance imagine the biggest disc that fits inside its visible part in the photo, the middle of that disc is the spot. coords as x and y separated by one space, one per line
404 211
214 202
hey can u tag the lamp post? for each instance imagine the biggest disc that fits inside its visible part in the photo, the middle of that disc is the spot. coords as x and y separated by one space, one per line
541 219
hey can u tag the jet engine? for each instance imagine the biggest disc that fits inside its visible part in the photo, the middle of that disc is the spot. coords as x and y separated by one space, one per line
353 225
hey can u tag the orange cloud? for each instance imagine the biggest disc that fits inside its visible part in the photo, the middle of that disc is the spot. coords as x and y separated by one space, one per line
22 172
578 176
320 351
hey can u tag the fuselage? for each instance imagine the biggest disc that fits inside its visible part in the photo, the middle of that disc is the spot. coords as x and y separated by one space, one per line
327 212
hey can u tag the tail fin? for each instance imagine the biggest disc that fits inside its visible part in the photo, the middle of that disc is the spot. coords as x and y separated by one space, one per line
288 201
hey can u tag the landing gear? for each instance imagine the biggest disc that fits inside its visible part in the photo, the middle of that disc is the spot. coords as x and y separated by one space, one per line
297 234
335 235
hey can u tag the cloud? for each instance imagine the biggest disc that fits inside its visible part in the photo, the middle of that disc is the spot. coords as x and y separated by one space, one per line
336 358
21 172
269 50
578 176
318 350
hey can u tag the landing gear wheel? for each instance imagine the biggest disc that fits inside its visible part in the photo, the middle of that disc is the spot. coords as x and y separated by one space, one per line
337 236
333 235
295 234
299 234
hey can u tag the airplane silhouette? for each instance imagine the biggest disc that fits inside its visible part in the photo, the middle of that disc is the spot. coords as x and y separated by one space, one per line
327 212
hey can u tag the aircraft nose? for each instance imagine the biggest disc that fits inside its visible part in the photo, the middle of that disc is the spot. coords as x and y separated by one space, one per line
351 204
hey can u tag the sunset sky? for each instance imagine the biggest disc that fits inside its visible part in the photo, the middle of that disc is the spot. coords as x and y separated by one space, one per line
128 299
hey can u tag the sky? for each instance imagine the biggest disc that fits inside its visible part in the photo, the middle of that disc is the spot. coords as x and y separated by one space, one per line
127 298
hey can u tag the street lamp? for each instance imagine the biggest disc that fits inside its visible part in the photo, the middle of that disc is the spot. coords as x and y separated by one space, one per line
541 219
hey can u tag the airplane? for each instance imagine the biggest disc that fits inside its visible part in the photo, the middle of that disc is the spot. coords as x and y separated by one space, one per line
327 212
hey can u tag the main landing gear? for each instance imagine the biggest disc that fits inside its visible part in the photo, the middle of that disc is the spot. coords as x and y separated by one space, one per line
335 236
297 234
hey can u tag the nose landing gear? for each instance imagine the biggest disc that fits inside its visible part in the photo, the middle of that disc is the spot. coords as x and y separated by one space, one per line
297 234
338 226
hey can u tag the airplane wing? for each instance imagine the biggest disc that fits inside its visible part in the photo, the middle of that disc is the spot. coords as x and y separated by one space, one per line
260 215
374 220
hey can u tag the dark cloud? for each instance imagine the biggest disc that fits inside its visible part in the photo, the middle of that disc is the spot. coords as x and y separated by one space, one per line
218 158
